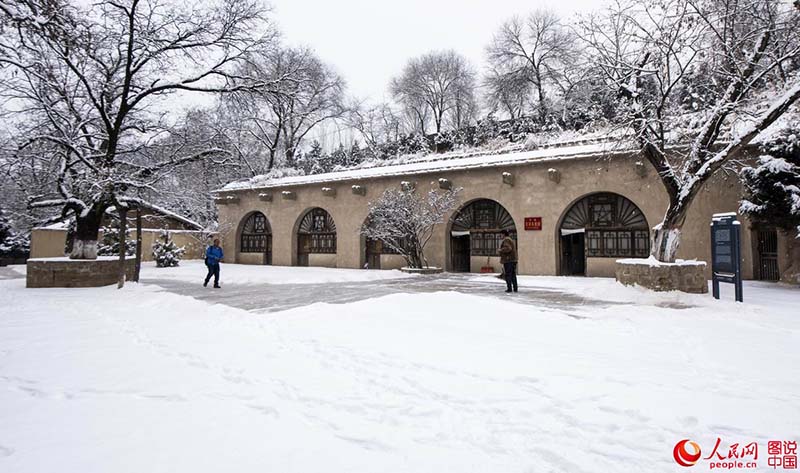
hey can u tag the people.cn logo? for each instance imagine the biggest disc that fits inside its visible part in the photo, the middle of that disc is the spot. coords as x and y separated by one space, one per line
682 454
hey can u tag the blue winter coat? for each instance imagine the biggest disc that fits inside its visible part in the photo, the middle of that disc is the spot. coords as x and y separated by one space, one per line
213 255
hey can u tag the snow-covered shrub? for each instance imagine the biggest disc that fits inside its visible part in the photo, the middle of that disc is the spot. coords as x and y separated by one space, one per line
166 253
12 245
772 188
404 220
109 245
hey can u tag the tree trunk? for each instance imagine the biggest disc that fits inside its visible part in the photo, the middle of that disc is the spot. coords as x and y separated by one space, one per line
87 227
667 234
138 268
542 105
123 247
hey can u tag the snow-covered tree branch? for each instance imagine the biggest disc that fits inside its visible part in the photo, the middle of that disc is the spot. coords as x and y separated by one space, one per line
87 83
693 71
404 220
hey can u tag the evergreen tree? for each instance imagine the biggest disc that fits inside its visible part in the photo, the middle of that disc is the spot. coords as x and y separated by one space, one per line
109 245
166 253
356 155
316 161
337 159
772 188
12 245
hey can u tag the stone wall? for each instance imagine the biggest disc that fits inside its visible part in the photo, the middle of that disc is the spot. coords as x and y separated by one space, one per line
64 272
688 277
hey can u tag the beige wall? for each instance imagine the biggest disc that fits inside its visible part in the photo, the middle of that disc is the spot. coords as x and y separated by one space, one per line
533 195
601 267
326 260
392 262
48 243
246 258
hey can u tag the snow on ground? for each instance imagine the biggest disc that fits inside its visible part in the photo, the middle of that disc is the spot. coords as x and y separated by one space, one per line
98 380
237 274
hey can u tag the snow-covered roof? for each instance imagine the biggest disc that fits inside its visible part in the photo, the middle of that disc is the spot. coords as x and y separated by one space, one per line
160 211
446 162
173 215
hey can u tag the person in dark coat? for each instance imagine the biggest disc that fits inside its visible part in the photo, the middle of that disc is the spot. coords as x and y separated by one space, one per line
508 257
213 256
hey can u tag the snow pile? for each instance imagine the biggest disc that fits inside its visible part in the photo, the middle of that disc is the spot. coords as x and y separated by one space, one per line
653 262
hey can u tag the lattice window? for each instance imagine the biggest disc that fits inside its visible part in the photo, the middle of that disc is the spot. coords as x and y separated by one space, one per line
641 243
256 234
615 227
617 243
317 232
602 213
484 219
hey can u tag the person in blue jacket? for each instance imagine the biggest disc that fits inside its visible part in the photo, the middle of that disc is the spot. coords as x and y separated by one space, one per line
213 256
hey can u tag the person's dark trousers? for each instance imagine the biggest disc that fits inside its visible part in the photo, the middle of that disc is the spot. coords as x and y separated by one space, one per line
511 275
213 270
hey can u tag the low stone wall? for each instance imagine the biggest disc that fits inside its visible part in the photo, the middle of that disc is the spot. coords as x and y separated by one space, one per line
64 272
686 276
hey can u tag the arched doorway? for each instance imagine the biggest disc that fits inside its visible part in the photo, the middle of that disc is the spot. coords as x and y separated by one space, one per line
316 235
256 238
602 225
476 232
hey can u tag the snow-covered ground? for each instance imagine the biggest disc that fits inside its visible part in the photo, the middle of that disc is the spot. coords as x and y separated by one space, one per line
146 380
237 274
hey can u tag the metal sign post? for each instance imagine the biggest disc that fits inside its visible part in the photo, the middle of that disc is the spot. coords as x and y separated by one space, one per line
726 260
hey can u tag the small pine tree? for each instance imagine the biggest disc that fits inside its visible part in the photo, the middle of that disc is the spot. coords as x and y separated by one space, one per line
12 245
166 253
772 188
356 155
109 245
337 159
316 161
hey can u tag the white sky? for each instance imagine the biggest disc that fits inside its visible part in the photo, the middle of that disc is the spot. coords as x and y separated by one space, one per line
369 41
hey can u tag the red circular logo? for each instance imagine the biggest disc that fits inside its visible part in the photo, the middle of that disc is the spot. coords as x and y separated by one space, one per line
682 454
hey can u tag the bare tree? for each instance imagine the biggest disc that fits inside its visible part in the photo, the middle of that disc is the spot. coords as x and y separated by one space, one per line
656 53
528 50
89 78
376 124
404 220
440 83
280 118
508 93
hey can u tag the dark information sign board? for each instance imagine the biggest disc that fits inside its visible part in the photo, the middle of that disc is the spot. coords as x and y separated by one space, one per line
726 261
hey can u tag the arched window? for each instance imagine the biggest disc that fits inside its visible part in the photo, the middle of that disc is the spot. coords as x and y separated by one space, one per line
317 232
614 226
256 234
483 220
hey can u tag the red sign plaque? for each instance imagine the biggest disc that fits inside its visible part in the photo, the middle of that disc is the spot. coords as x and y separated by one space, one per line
533 223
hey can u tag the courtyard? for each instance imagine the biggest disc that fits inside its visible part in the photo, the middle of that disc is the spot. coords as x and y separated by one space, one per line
315 369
